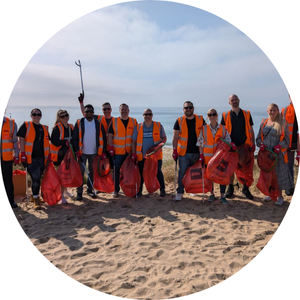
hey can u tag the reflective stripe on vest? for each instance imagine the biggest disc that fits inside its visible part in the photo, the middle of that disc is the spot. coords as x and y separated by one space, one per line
7 145
183 133
210 142
156 138
29 140
123 137
248 131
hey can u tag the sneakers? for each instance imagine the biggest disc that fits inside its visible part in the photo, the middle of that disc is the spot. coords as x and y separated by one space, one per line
290 192
279 201
211 198
224 201
116 194
178 197
162 193
79 196
247 193
14 204
267 199
229 192
67 194
91 193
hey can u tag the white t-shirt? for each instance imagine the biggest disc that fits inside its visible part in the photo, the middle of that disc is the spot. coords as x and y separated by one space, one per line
89 140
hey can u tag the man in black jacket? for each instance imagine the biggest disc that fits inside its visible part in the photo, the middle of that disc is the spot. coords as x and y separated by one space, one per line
89 140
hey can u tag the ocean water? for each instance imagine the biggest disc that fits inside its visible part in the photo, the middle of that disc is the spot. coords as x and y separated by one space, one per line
166 115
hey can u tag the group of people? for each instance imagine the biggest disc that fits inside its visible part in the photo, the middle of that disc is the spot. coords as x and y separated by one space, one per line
117 137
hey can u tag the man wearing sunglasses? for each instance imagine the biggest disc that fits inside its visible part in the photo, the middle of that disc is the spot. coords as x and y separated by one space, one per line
120 141
185 133
89 140
148 134
239 124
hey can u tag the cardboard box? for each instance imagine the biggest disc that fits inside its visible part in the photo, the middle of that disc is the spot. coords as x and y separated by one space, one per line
19 182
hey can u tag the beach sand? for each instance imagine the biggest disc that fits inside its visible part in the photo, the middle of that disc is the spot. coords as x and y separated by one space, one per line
152 247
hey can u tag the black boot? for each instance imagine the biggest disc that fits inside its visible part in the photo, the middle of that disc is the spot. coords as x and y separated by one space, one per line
229 192
247 193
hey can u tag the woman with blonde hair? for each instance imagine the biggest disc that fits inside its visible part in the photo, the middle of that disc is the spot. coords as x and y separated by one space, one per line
274 135
208 141
61 137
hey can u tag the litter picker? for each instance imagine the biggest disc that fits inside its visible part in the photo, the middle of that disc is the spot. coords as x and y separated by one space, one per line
79 65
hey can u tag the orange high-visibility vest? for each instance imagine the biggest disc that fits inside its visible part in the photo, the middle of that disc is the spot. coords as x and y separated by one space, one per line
283 150
100 147
29 140
102 120
210 142
139 141
54 149
123 137
7 149
183 133
227 119
288 114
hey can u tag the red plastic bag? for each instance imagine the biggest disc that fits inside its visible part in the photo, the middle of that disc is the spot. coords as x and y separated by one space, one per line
244 170
222 164
69 171
151 167
193 179
51 187
268 185
19 172
103 181
130 177
266 160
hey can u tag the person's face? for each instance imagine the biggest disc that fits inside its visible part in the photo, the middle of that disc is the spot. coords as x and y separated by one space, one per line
124 111
188 109
212 116
106 110
36 116
64 117
147 115
234 101
89 113
272 112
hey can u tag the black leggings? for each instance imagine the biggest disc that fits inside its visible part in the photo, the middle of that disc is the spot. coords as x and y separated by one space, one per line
35 170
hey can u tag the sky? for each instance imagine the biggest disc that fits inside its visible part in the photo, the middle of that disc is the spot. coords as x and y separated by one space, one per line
273 25
143 52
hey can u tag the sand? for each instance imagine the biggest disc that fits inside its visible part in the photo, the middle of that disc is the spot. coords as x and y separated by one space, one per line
151 247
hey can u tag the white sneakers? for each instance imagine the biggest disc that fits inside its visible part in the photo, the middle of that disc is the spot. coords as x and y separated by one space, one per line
267 199
178 197
279 201
68 194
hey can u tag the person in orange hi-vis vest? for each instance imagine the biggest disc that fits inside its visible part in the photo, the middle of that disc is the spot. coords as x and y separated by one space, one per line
289 115
61 137
148 134
9 154
185 132
106 119
208 143
35 150
120 135
239 124
89 140
274 135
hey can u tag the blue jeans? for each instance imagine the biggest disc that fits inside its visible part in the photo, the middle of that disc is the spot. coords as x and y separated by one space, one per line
119 159
185 162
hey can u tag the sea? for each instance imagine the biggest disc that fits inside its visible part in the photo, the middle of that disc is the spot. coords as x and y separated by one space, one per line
166 115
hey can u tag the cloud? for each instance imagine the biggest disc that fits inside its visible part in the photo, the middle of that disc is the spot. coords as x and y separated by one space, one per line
126 56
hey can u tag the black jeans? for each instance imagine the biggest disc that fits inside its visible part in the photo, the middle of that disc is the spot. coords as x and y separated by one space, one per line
35 170
7 174
87 158
159 175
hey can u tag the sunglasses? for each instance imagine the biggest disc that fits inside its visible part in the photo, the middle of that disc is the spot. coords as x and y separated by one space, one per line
36 115
147 114
188 107
105 109
212 115
89 111
64 116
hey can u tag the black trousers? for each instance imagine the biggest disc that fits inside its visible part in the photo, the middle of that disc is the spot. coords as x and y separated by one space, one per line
7 174
35 170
